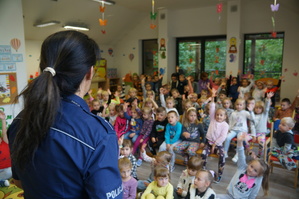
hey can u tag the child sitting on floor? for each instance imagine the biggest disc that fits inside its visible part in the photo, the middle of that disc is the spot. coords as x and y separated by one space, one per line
202 186
160 188
129 183
187 177
126 151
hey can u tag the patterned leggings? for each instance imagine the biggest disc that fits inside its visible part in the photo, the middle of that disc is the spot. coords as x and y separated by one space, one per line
220 150
261 139
186 148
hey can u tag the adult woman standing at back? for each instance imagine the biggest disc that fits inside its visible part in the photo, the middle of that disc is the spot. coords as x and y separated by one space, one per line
59 148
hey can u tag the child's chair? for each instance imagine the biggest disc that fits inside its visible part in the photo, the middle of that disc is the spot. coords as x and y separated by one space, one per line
256 144
274 162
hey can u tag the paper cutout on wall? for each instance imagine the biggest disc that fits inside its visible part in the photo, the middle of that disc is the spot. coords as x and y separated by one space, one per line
103 31
295 73
110 51
131 56
15 43
233 45
232 57
162 71
285 70
163 55
162 44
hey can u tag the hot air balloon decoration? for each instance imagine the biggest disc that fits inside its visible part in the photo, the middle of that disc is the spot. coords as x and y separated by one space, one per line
15 44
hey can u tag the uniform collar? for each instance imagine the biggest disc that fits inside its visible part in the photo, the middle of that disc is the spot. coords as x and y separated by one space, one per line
75 99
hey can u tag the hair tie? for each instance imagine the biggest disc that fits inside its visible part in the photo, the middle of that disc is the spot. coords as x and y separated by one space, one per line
191 108
51 70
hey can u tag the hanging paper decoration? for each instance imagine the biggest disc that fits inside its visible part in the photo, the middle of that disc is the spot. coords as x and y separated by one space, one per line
103 21
219 9
153 16
15 43
274 8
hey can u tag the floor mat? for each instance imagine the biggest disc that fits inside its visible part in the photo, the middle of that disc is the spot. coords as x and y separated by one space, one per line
11 192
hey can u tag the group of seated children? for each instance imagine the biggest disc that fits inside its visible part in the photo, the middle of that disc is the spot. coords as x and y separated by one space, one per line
189 117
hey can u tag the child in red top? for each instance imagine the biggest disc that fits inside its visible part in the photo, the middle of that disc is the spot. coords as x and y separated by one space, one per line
5 163
122 125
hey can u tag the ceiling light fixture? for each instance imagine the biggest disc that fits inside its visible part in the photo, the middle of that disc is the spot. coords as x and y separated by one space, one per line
108 2
45 24
76 27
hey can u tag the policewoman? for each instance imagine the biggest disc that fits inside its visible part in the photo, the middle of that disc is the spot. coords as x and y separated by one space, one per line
59 149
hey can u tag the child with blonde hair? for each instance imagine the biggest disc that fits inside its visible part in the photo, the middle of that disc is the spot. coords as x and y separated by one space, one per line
238 123
249 178
162 159
202 186
261 111
216 135
129 183
160 188
187 177
112 113
193 136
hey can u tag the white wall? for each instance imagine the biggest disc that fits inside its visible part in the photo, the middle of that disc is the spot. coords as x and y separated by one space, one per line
32 56
11 23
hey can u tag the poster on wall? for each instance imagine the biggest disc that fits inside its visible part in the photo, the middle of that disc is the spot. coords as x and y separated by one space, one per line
8 88
8 60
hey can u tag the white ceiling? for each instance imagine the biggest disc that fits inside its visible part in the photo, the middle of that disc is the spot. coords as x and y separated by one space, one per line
122 16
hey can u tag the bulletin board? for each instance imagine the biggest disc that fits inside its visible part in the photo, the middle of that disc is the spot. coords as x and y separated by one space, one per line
8 88
100 70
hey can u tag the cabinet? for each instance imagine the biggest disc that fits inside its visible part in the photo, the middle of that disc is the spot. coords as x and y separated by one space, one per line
110 83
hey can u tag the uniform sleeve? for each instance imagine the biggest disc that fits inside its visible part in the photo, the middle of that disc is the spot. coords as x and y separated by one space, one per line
102 177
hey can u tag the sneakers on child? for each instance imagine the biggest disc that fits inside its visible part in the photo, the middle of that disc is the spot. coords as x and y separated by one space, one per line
139 162
172 169
217 180
235 158
4 183
225 155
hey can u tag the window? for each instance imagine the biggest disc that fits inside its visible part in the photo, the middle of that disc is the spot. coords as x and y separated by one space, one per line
195 55
150 56
263 55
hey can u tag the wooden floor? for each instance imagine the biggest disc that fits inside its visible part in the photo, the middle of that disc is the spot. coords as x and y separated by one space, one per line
281 180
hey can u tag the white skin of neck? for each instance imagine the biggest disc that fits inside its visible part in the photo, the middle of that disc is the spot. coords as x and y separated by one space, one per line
85 84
